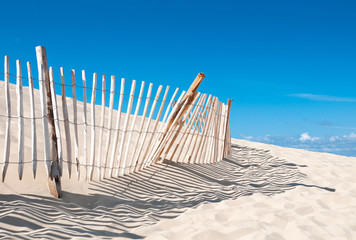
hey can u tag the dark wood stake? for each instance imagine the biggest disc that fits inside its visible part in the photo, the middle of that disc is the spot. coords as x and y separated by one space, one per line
54 180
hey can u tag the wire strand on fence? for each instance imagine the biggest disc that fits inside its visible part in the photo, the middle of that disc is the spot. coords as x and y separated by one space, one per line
98 89
90 88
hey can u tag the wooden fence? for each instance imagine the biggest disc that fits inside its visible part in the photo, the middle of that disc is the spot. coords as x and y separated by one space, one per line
103 137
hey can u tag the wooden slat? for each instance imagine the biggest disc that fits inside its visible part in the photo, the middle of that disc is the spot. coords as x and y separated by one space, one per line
164 121
194 86
33 121
168 107
165 134
190 153
108 139
139 160
130 160
211 123
100 161
192 132
188 122
186 127
54 180
177 125
116 136
122 162
205 135
47 153
172 132
159 133
222 132
8 120
190 92
189 134
227 137
181 122
19 93
56 121
216 134
210 145
155 127
180 109
197 157
85 125
92 144
225 142
205 150
75 125
66 125
132 166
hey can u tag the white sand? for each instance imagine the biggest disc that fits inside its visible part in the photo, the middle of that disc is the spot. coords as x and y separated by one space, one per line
322 206
260 192
251 195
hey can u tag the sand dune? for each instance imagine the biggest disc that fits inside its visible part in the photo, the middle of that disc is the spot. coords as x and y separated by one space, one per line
260 192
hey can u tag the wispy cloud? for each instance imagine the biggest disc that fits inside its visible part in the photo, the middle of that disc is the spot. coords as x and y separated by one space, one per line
322 98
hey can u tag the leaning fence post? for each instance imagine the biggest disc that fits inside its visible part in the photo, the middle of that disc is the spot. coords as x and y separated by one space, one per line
54 180
176 114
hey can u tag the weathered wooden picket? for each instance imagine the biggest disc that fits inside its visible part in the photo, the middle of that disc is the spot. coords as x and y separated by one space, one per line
195 128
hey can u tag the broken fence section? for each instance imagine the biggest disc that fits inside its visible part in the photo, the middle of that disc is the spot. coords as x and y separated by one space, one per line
96 132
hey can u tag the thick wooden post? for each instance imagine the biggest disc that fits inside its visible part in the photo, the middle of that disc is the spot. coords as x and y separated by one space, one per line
54 180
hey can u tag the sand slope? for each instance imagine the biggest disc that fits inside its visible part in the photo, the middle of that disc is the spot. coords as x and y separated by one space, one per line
260 192
321 206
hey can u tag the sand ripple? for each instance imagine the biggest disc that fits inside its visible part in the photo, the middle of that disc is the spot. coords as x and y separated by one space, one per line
117 207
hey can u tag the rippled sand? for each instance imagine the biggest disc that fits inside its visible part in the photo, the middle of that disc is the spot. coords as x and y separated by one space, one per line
320 205
260 192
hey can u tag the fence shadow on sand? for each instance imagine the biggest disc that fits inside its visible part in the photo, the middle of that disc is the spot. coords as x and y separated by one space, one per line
116 207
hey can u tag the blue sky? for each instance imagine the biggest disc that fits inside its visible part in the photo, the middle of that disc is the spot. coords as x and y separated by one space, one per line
289 66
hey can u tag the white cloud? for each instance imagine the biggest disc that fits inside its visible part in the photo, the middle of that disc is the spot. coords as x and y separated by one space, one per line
334 138
342 145
304 137
323 98
350 136
247 137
